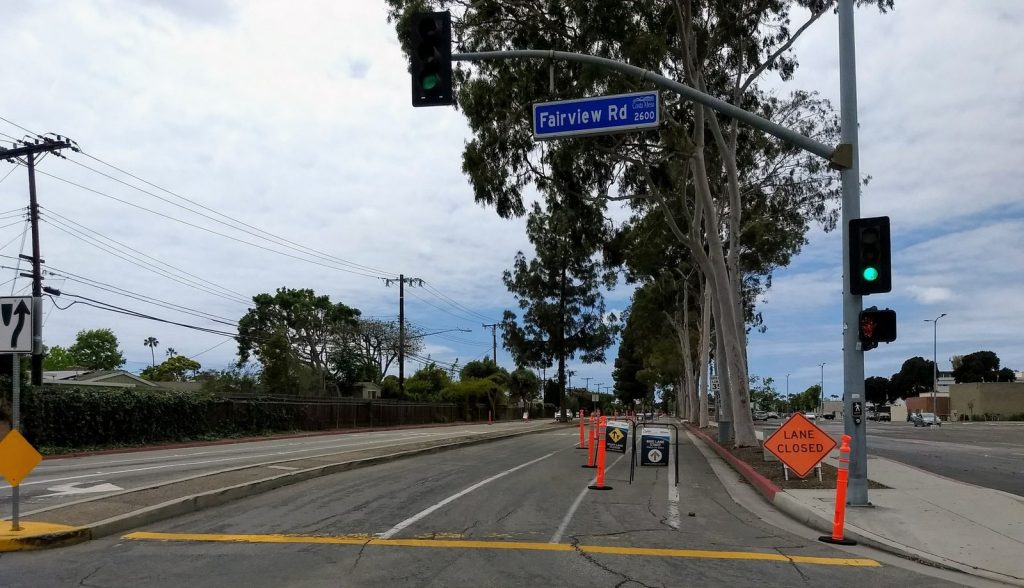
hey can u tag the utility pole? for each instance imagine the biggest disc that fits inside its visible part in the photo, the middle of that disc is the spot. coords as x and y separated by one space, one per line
402 280
588 384
494 340
29 149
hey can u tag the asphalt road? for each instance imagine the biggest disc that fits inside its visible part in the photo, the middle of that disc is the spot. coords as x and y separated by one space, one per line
984 454
514 512
58 481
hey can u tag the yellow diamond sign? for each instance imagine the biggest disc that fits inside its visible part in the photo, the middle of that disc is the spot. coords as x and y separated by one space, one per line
616 435
17 458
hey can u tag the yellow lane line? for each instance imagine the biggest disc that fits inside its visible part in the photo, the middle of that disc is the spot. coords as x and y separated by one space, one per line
516 545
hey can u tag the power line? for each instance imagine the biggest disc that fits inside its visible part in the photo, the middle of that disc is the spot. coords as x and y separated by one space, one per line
442 309
140 297
50 212
433 290
17 125
127 257
249 229
85 301
200 227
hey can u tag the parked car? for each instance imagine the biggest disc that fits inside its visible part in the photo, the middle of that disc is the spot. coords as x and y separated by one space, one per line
760 415
564 418
772 414
927 419
884 416
810 416
829 416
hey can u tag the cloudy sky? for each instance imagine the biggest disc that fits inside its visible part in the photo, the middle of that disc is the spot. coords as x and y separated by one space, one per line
294 119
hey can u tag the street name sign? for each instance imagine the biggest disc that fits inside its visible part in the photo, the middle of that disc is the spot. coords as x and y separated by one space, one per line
16 324
800 444
598 115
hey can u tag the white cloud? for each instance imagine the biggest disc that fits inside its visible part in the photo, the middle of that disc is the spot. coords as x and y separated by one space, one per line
931 294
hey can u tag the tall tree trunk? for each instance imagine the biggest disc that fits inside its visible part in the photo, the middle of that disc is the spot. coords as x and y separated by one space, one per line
705 350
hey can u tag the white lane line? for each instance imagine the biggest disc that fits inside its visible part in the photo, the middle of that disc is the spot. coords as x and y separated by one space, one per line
144 456
281 467
425 512
673 497
557 537
239 458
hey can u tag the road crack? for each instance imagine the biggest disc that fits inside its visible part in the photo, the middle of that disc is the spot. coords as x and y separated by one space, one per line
574 541
803 576
359 555
505 516
83 581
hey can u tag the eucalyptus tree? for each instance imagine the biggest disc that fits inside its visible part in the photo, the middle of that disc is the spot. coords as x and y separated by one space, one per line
698 170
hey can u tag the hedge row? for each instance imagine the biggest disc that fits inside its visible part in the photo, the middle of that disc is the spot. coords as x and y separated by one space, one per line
84 417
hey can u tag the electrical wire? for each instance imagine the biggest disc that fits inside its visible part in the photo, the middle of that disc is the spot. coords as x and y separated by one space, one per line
429 288
51 213
85 301
442 309
141 297
200 227
249 229
17 125
126 257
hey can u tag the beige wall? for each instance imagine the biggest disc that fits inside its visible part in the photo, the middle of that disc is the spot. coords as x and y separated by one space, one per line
1002 399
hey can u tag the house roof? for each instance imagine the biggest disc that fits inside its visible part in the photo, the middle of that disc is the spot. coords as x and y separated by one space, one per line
93 376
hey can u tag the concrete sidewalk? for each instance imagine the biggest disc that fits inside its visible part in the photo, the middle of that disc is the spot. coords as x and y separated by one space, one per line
923 516
931 518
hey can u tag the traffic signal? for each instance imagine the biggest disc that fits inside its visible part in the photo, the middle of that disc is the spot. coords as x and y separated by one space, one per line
870 256
876 326
431 54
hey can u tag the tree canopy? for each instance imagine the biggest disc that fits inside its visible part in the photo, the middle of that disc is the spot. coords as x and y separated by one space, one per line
96 349
980 366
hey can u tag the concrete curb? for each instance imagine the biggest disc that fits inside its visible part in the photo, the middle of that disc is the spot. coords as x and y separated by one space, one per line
219 496
807 516
44 540
766 487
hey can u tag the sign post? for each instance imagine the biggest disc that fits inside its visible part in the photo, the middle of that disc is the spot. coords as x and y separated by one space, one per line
799 444
17 329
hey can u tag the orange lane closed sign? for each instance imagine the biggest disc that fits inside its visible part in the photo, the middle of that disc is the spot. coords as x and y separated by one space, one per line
800 444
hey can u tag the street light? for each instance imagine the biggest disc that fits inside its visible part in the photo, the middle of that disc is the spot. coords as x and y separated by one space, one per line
789 403
935 362
822 402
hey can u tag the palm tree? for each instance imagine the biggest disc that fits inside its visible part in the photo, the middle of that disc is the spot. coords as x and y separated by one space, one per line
171 352
151 342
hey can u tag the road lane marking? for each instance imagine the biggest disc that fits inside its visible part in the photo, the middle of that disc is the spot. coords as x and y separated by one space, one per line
143 456
509 545
281 467
220 460
423 513
673 497
576 504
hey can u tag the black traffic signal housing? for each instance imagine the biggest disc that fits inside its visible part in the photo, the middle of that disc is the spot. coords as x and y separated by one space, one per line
870 256
431 56
876 326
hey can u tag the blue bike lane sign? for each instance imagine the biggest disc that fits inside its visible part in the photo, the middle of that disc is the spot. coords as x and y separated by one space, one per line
599 115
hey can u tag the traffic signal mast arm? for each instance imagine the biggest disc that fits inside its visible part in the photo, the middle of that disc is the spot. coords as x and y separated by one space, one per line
838 157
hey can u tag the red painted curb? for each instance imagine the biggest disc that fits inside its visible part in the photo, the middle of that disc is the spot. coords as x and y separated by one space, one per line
766 487
235 440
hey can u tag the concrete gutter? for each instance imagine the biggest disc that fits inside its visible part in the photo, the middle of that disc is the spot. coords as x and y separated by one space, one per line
39 535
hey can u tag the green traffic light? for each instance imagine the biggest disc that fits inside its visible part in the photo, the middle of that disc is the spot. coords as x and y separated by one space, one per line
430 81
870 274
